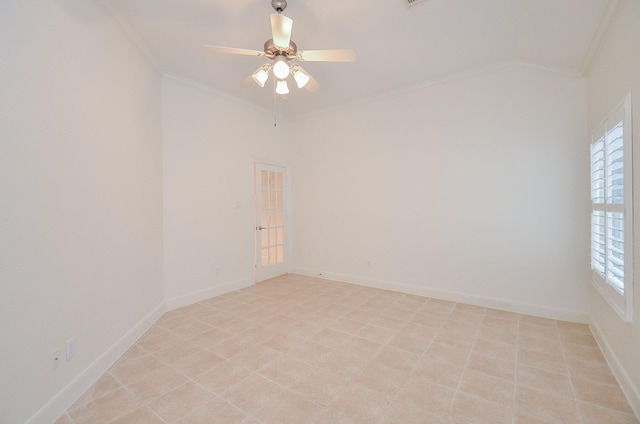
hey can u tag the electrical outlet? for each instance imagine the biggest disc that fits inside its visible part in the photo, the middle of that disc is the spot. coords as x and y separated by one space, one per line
369 263
71 348
218 272
55 358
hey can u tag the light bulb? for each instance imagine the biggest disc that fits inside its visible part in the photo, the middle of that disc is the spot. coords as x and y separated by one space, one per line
281 87
260 76
301 77
281 68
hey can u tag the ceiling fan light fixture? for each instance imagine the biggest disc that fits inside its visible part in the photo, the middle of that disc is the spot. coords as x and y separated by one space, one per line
301 77
260 76
281 68
281 87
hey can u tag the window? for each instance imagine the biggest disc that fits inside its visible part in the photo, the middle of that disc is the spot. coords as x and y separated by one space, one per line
611 210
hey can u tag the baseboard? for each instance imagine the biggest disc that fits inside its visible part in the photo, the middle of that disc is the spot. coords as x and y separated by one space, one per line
626 383
199 296
71 392
489 302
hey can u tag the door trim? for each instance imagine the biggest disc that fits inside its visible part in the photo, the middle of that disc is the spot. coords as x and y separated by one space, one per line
287 214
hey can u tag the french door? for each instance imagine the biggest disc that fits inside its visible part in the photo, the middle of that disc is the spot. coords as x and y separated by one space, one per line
272 255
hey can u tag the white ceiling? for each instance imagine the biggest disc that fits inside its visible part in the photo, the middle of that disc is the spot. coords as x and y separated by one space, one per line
398 47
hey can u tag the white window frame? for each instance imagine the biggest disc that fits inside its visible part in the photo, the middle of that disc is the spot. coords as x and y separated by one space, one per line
620 300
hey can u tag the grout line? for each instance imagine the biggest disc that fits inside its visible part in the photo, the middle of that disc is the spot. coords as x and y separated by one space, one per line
466 364
515 373
297 300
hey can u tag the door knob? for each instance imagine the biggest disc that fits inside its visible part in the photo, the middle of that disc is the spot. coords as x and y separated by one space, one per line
261 228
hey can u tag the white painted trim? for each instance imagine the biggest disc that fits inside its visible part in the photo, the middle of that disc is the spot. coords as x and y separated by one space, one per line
631 392
442 80
199 296
611 13
210 90
622 304
288 221
488 302
53 409
130 35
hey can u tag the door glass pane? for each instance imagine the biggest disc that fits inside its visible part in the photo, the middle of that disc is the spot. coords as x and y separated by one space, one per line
271 215
272 257
280 254
272 219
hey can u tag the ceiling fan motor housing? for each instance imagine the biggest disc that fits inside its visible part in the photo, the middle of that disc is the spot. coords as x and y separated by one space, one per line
279 5
289 53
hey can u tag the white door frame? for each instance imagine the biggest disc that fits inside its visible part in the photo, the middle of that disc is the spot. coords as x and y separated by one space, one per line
286 267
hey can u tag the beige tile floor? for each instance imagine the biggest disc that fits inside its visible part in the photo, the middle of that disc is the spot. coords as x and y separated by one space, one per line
304 350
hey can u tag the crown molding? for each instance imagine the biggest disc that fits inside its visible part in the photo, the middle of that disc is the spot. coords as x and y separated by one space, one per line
610 16
130 35
567 73
213 91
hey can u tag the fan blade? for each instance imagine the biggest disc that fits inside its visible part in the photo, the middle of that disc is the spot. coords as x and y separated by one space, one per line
248 82
339 55
313 85
232 50
281 27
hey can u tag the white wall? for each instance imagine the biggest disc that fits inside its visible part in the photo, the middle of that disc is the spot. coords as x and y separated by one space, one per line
209 145
614 72
80 200
472 189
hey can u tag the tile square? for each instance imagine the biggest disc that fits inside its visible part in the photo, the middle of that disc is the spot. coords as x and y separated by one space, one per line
487 387
157 383
216 411
546 406
330 338
289 408
220 378
284 370
320 385
602 394
551 382
396 358
361 403
181 401
303 349
492 366
197 363
381 378
439 372
106 408
468 409
252 393
140 416
424 394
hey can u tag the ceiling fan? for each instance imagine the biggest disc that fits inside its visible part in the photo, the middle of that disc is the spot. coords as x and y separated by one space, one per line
282 50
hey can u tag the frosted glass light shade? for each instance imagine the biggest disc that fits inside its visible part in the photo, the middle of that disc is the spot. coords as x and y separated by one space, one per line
281 68
260 77
301 78
281 87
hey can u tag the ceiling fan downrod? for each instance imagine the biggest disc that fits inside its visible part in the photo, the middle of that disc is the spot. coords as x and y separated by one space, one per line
279 5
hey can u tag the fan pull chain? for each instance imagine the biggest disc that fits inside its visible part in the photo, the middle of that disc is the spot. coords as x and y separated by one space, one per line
275 111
